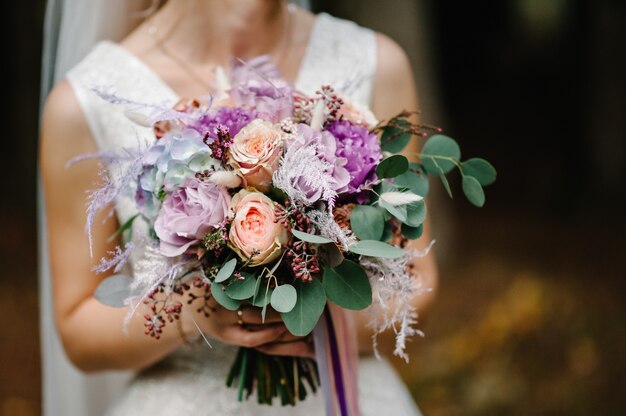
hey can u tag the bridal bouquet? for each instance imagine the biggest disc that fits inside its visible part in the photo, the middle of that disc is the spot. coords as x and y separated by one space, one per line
266 198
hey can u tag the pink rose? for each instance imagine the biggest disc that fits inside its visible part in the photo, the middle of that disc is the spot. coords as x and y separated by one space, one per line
254 233
255 153
188 214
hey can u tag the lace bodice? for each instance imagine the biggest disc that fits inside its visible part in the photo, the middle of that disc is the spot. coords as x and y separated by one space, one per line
339 53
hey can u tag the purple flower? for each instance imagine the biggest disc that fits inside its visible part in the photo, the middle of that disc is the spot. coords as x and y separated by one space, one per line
188 214
257 85
233 118
360 148
325 147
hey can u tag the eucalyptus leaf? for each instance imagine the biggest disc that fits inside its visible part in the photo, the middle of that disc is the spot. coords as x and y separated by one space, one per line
398 212
373 248
114 290
309 307
348 286
284 298
392 166
396 135
437 152
217 290
226 271
416 182
483 171
412 233
367 222
311 238
415 214
241 289
387 233
473 191
262 298
330 255
446 184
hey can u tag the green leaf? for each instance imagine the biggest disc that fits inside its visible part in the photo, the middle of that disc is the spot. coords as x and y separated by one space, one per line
387 233
284 298
483 171
114 290
396 135
309 307
415 214
217 290
392 166
416 182
330 255
261 296
398 212
124 227
310 238
446 184
226 271
373 248
242 289
347 286
367 222
437 152
473 191
412 233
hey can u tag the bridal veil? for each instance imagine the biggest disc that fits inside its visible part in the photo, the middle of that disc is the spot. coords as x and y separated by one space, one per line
72 28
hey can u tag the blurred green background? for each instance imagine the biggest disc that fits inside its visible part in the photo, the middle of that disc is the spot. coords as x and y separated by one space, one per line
530 314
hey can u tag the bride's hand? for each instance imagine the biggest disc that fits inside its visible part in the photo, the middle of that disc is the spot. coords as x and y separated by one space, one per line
287 344
246 328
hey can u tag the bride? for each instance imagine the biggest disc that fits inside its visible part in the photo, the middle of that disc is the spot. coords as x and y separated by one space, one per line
171 54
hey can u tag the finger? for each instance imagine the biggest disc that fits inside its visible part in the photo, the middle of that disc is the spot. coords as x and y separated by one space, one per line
238 335
253 316
293 349
289 337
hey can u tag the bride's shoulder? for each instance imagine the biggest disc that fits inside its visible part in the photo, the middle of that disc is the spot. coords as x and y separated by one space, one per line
62 116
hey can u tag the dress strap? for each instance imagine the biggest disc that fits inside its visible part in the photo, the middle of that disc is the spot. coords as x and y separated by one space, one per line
342 54
110 66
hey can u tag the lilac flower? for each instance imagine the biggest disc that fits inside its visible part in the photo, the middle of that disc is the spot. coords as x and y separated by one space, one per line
257 84
361 149
188 214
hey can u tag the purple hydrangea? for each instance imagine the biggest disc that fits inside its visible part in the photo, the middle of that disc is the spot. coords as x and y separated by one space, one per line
360 148
233 118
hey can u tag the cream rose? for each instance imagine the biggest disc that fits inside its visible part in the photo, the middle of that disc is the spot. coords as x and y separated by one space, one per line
254 233
255 153
357 114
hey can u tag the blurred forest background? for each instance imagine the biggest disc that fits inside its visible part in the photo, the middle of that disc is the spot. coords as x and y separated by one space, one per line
530 313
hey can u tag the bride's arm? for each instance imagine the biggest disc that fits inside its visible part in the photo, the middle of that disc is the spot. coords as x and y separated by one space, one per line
91 332
394 91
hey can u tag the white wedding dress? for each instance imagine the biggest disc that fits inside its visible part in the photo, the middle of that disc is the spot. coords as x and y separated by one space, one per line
192 381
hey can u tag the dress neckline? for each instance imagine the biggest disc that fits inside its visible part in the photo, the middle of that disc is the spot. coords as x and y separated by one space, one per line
149 71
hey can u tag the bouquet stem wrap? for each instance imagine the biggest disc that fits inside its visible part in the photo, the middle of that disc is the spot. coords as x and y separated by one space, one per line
337 355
